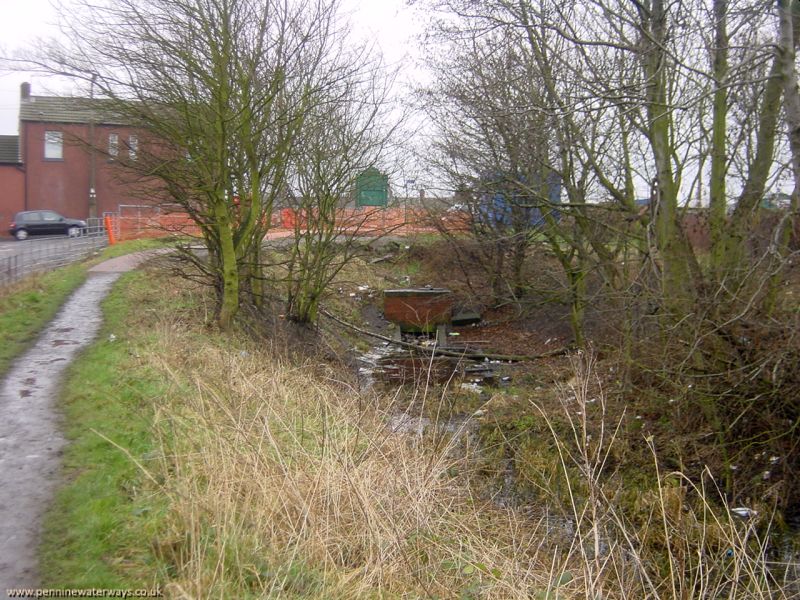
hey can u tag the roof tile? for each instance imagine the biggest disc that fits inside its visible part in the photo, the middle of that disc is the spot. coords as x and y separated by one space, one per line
64 109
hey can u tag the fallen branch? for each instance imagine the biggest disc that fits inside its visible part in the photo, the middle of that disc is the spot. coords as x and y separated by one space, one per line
437 351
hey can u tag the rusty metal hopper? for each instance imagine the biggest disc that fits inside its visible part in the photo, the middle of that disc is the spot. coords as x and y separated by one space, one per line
418 309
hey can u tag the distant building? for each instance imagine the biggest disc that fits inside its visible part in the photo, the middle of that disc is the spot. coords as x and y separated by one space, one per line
66 158
372 188
12 180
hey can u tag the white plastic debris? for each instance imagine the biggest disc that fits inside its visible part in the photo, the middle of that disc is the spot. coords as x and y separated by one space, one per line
363 288
774 460
743 512
112 337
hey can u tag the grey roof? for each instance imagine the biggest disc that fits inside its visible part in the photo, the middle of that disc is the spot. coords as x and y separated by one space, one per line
9 149
64 109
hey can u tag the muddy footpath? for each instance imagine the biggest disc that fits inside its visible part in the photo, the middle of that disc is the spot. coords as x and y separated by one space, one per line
31 440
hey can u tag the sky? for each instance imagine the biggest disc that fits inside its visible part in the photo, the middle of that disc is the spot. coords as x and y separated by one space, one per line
391 23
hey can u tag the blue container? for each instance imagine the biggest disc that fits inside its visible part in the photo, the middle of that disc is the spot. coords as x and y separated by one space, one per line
496 210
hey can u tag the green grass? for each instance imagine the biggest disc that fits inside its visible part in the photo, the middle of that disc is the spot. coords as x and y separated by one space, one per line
28 305
101 521
135 246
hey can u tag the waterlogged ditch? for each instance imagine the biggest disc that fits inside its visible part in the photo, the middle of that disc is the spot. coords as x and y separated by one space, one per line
420 376
421 373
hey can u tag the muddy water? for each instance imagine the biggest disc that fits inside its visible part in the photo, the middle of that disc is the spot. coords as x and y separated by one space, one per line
30 440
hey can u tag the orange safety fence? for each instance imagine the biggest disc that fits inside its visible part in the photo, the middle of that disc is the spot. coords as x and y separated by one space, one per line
366 221
379 221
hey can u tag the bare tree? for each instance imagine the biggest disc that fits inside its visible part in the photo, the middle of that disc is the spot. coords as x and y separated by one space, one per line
346 131
219 89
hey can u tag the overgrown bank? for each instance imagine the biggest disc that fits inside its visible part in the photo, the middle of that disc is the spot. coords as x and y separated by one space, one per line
218 466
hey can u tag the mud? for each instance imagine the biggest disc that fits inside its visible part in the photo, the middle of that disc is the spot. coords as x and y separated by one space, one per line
31 442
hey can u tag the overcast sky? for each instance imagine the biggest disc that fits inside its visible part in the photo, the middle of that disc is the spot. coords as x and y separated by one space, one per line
390 22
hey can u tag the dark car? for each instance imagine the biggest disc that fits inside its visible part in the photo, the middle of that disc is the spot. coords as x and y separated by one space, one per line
44 222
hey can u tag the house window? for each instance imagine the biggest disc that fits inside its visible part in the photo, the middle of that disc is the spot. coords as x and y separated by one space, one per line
53 145
113 145
133 146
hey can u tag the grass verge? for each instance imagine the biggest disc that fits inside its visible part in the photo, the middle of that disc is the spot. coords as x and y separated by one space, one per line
96 533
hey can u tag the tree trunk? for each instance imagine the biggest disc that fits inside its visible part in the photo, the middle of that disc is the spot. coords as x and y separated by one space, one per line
672 245
229 303
792 114
735 238
717 198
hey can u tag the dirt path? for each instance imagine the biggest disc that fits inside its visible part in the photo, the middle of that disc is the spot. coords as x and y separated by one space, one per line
31 442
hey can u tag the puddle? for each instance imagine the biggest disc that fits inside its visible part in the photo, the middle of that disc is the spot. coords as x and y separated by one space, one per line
395 365
49 361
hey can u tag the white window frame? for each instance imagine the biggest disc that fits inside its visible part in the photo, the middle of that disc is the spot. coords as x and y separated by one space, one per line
113 145
54 145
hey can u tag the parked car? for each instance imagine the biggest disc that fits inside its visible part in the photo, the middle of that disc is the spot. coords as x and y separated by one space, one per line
44 222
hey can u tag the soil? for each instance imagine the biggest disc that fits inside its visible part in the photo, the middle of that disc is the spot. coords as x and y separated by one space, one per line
31 442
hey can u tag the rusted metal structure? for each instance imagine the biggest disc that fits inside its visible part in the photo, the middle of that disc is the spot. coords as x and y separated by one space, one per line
418 309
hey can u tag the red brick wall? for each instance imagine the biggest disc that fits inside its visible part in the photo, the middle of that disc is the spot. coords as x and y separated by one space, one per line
12 195
63 185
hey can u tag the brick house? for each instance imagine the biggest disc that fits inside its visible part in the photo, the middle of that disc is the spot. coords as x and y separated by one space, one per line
65 158
12 180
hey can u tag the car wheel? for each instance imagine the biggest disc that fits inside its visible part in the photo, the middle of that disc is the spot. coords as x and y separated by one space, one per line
74 232
21 234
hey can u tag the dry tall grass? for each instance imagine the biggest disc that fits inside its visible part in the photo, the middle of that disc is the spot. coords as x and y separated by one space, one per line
284 482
